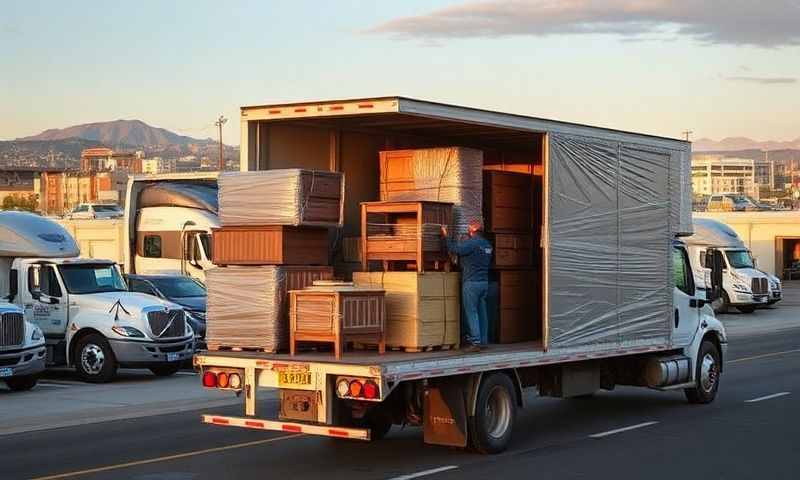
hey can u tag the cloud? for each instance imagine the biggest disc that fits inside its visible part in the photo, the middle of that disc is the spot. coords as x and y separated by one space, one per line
763 80
730 22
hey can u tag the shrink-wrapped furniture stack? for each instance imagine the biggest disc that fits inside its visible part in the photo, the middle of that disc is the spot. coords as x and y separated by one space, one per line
273 239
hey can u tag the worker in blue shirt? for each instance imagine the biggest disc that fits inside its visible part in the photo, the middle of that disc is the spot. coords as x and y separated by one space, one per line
475 256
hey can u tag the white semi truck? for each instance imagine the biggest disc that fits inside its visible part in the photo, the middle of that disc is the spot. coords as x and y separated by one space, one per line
88 318
22 350
619 301
743 285
166 228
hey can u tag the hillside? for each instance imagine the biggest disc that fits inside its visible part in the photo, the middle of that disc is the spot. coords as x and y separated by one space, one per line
117 133
742 143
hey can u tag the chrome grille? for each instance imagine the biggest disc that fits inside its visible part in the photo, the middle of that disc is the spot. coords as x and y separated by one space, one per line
760 286
12 330
172 323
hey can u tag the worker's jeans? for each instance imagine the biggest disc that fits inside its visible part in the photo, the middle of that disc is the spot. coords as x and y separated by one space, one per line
475 322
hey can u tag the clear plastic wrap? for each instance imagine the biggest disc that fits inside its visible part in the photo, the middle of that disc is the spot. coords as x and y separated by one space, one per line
293 197
450 174
612 221
248 306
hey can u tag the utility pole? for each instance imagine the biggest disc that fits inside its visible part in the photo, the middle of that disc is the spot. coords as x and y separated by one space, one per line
686 134
220 122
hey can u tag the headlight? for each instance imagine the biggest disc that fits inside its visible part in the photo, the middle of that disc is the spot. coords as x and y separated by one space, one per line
37 334
740 287
127 331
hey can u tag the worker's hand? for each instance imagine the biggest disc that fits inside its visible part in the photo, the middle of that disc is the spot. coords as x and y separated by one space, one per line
444 231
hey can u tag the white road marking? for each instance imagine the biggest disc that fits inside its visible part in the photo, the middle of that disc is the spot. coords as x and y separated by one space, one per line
766 355
425 473
55 385
767 397
623 429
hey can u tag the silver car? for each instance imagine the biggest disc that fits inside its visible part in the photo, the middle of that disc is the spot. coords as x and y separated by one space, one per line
96 210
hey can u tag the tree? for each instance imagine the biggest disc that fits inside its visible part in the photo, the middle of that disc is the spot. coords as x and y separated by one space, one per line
29 203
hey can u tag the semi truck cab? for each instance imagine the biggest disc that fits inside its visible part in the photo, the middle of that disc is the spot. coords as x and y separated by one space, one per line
88 317
22 350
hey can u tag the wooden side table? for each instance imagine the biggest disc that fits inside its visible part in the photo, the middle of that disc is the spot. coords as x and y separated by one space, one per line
404 231
337 314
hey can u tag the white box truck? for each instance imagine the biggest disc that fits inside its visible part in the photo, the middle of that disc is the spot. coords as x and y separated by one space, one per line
620 305
88 318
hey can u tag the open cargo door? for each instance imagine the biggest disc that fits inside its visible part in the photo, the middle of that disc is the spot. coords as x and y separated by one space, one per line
609 236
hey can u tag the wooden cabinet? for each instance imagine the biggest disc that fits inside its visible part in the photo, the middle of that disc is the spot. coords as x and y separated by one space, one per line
404 231
270 245
512 250
508 201
515 305
333 314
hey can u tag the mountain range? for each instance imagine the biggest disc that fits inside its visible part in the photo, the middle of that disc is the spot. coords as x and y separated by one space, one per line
742 143
134 133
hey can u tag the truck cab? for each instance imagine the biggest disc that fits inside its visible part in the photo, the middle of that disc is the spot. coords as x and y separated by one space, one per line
743 285
22 350
88 317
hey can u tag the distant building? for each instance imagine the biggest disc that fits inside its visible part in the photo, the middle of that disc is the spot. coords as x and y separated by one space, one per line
18 183
127 162
151 165
97 159
59 192
713 174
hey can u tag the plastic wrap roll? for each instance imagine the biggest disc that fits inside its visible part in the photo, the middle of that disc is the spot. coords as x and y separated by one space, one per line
293 197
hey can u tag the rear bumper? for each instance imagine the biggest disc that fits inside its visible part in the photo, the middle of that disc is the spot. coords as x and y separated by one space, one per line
290 427
132 353
29 361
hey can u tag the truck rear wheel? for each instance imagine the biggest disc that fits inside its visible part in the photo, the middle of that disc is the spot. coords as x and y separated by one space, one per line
22 383
707 375
94 360
495 411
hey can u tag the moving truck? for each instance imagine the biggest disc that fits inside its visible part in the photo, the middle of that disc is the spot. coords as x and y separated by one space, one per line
166 228
743 285
619 301
82 307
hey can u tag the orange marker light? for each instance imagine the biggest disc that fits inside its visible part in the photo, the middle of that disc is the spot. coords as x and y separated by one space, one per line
355 388
222 380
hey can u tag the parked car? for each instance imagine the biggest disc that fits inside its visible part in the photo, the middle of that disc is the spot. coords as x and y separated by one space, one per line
96 210
185 291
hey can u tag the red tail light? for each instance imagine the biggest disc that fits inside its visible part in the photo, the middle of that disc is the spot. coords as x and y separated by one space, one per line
370 390
355 388
210 379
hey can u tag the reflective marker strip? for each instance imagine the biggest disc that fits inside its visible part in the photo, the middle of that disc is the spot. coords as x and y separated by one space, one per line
322 430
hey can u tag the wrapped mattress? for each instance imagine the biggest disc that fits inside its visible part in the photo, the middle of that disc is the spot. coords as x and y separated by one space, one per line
248 306
293 197
450 174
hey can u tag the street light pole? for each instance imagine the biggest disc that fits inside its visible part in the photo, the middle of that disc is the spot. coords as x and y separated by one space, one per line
220 122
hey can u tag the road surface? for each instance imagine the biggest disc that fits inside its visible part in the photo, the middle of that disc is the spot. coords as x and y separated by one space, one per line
749 432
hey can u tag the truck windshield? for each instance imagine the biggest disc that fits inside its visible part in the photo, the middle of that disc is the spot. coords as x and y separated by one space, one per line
91 278
739 259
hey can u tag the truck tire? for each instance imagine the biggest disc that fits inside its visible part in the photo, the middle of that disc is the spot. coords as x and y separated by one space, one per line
721 305
94 360
165 369
495 411
21 383
746 308
707 375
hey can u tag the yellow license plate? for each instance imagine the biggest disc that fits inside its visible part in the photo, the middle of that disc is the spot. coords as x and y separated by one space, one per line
291 379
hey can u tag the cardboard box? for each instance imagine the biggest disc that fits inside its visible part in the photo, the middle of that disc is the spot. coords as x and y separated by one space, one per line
270 245
422 309
512 250
514 306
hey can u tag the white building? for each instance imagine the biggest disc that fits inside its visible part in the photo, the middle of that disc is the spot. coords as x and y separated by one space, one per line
713 174
151 165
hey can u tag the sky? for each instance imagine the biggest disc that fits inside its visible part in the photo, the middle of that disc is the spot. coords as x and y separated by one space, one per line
719 68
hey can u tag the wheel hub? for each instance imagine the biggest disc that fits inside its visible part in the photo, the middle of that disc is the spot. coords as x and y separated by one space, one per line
92 359
498 412
709 373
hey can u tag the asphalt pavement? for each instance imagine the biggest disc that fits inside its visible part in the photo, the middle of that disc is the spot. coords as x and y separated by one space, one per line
749 432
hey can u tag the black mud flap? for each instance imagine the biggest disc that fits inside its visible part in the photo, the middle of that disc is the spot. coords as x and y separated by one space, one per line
446 414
